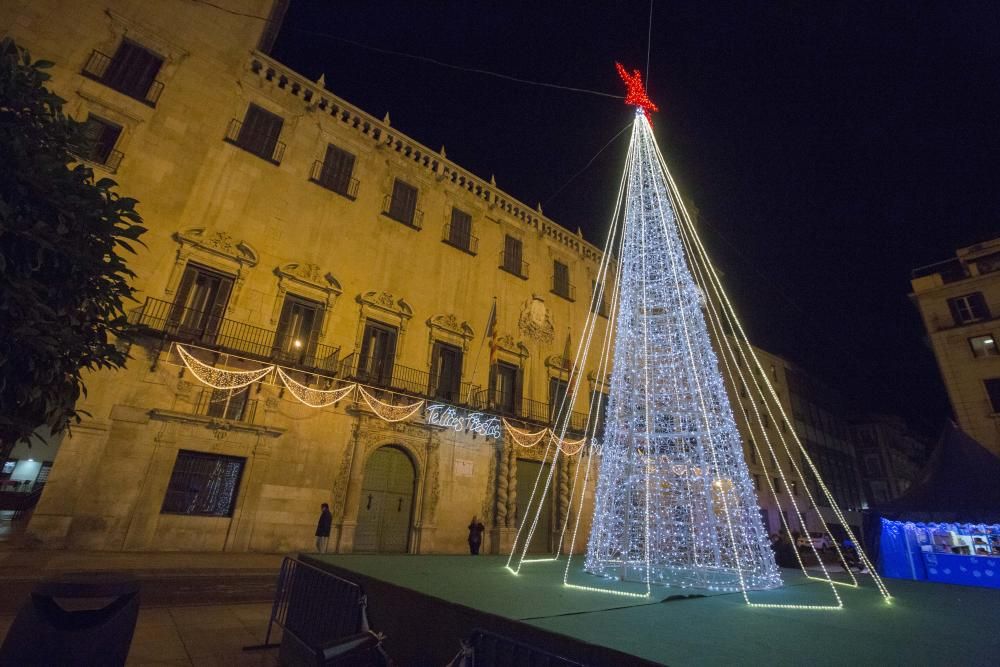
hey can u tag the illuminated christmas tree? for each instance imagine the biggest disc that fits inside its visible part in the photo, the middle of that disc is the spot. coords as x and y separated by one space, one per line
675 503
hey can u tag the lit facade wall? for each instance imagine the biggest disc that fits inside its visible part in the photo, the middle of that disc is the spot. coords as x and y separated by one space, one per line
959 302
272 234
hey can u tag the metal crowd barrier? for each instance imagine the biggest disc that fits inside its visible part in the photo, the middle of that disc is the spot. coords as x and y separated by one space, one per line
323 617
484 648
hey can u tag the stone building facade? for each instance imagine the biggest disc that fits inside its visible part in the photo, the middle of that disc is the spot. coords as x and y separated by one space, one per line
959 302
287 226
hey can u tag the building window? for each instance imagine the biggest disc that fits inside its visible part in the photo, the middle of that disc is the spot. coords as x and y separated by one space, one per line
993 389
258 134
458 232
984 346
795 488
756 484
777 485
598 402
969 308
334 172
557 394
203 484
598 305
378 354
446 373
99 138
298 331
226 403
200 302
506 388
753 451
401 205
511 258
132 71
560 281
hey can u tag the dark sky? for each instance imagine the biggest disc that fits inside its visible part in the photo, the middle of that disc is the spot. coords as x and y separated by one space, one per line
830 147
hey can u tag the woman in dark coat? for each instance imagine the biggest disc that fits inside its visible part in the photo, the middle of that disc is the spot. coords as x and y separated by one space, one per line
476 529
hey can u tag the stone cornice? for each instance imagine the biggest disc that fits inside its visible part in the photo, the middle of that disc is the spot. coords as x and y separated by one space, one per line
215 423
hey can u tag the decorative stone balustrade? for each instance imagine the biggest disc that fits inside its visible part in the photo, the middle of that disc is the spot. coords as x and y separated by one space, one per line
320 100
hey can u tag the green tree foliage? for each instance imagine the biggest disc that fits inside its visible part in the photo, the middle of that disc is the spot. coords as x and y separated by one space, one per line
63 280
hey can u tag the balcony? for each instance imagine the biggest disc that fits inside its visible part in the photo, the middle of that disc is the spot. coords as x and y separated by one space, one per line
407 380
184 325
97 69
222 404
525 409
460 239
513 264
327 178
413 218
109 162
251 144
563 288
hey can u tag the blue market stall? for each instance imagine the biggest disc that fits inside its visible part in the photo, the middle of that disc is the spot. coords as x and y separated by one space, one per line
946 528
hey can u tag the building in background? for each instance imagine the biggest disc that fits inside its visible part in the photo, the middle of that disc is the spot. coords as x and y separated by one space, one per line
287 226
889 455
959 302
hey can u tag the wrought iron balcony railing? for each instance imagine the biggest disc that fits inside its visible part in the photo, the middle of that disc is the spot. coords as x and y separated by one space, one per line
563 289
225 335
513 264
332 180
253 144
226 404
525 409
408 380
138 89
412 218
109 162
461 239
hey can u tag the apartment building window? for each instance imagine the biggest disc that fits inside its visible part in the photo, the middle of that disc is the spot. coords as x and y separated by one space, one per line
458 232
99 138
378 353
984 346
511 260
335 172
993 390
969 308
446 372
401 205
599 402
557 393
131 71
226 403
200 302
258 134
298 329
203 484
599 302
506 388
560 281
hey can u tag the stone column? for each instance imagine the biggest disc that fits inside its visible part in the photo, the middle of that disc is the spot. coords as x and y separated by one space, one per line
502 533
424 532
351 478
562 496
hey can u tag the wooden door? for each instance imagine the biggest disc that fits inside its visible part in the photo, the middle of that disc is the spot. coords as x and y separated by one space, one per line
384 515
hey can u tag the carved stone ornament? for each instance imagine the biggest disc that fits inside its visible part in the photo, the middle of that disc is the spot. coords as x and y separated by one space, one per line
535 322
506 343
218 243
310 275
385 301
450 324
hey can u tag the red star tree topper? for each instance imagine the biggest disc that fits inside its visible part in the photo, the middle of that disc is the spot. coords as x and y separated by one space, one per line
636 91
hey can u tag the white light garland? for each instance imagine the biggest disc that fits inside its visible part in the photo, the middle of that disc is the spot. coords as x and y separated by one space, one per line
387 411
218 378
315 398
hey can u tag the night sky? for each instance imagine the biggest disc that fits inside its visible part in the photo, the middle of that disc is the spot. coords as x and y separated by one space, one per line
829 147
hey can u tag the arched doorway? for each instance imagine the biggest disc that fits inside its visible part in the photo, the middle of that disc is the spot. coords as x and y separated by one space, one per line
386 503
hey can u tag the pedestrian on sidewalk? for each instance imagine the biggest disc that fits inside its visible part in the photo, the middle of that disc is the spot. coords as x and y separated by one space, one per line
476 529
323 528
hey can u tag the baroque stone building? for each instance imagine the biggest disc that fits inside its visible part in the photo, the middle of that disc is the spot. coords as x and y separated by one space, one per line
958 300
287 226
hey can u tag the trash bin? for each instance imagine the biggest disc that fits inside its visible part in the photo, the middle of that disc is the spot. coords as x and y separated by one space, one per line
75 619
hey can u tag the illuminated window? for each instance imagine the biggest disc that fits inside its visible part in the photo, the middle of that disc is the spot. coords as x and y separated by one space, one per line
984 346
993 389
203 484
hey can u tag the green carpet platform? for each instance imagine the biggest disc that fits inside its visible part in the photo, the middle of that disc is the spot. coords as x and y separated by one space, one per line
426 604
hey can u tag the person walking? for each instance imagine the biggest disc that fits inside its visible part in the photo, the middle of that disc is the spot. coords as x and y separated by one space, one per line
323 528
476 529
